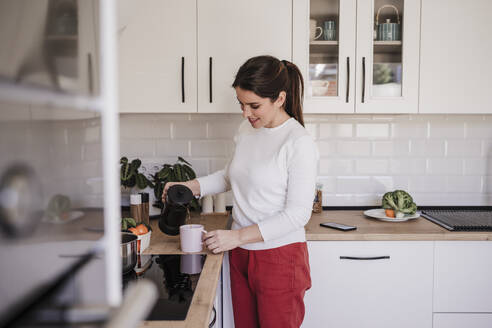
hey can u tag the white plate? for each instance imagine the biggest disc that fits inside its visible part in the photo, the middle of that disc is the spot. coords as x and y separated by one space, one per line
74 215
378 213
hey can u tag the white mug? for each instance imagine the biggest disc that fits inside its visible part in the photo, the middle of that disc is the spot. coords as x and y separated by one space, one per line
191 237
313 29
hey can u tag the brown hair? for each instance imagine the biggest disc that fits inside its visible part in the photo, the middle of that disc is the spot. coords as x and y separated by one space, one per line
267 76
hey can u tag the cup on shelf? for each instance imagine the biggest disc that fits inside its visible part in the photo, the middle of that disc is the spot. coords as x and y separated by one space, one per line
313 30
329 30
319 87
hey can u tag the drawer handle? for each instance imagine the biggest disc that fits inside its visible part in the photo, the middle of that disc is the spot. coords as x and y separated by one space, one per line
364 257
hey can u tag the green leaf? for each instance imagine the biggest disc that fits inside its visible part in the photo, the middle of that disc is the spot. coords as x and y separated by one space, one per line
182 160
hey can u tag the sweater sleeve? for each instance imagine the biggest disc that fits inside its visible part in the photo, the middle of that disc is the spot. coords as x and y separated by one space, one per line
215 183
302 171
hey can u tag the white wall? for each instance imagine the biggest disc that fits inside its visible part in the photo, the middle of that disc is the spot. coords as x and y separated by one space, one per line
439 159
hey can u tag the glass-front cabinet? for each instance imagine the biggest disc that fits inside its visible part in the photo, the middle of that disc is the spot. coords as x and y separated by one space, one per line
358 55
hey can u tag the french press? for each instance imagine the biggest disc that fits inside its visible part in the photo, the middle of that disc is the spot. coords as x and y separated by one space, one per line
176 209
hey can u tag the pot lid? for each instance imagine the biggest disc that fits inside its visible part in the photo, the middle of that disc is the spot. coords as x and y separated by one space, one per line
179 194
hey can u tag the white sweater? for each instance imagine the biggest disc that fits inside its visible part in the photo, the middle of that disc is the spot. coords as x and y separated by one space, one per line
272 175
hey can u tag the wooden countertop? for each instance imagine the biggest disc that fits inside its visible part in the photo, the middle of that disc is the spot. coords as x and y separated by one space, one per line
203 298
367 229
373 229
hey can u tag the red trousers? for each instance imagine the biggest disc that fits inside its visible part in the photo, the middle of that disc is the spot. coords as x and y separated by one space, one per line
268 286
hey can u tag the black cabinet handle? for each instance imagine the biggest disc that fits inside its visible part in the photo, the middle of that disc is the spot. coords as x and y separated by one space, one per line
210 77
348 80
364 257
363 78
182 79
90 78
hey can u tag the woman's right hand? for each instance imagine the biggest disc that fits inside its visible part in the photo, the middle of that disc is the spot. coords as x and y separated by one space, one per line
193 185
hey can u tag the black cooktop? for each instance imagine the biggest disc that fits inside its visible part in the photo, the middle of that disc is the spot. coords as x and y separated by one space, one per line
175 276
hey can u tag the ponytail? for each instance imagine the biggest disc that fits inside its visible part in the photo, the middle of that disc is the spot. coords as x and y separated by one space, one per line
295 92
267 76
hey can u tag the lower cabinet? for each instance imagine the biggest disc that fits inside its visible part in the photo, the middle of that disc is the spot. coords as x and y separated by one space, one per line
463 276
370 284
461 320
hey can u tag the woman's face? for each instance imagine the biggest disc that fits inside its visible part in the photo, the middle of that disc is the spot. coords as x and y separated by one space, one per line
261 112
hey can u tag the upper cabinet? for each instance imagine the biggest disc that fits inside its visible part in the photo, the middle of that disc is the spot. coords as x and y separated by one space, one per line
182 55
230 32
157 56
455 57
358 56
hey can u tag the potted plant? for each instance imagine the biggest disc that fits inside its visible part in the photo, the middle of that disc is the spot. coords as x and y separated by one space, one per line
130 177
181 171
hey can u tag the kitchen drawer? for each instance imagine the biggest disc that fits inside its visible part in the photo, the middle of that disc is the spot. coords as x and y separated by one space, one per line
390 292
462 276
460 320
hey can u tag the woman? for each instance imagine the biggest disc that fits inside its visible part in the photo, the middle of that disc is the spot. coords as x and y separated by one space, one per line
272 177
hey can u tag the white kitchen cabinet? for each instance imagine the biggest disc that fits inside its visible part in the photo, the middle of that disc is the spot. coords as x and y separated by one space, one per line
462 277
391 286
455 57
230 32
88 44
460 320
212 37
157 56
357 72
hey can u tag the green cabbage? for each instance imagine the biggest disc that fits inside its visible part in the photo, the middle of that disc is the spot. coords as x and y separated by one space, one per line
400 201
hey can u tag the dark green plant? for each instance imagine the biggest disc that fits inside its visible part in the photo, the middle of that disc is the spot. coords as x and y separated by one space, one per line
129 175
181 171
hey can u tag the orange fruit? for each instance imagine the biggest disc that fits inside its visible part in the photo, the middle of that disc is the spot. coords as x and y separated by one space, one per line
142 229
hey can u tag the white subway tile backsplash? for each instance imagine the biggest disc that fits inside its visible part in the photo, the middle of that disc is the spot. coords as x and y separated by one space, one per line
336 167
222 130
407 130
427 183
92 152
134 126
427 148
408 166
487 184
335 130
189 130
372 130
137 148
353 148
371 166
338 199
166 147
487 148
463 148
477 166
329 184
312 129
208 148
447 129
392 148
476 130
326 148
218 164
444 166
464 184
354 184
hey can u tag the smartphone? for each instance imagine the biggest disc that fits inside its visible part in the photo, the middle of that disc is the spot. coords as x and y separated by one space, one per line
337 226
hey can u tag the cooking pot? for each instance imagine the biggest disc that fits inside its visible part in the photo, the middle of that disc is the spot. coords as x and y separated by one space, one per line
128 251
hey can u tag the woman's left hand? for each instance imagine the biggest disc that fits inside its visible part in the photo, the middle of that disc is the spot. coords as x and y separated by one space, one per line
222 240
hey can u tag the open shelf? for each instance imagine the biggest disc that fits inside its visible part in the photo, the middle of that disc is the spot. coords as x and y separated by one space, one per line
323 43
